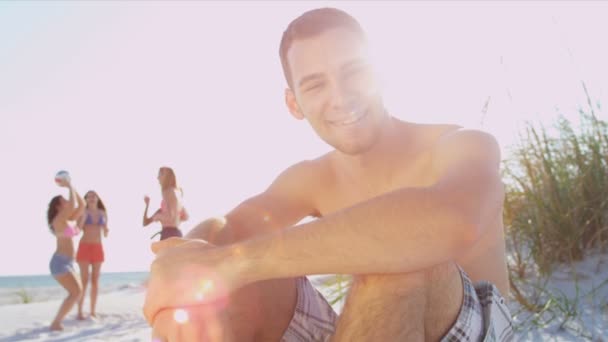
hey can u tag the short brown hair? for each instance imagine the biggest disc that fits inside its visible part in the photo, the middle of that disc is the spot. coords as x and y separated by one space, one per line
312 23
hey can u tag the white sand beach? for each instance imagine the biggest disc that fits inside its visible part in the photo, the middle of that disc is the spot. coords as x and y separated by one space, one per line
120 317
579 292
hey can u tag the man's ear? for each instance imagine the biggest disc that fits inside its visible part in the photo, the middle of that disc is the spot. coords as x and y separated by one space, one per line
292 104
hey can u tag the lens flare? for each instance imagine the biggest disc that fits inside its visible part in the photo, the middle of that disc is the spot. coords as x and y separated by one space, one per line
180 316
206 286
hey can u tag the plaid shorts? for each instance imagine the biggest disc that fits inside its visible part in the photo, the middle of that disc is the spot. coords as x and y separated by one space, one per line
313 319
483 316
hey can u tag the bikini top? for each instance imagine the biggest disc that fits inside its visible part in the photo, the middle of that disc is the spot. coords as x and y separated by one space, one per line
163 208
100 221
70 231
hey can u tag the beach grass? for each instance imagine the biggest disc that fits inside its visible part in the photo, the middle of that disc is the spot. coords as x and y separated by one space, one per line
24 296
556 212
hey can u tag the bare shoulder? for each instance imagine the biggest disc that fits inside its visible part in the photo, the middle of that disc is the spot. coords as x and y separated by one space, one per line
462 145
303 175
289 198
468 139
424 136
439 131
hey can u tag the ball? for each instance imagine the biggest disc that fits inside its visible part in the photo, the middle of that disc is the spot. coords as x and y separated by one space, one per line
62 175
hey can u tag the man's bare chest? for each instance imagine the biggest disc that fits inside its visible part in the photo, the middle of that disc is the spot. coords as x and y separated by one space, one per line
346 190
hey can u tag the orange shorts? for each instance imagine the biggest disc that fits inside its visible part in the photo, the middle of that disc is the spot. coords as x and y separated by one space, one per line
90 252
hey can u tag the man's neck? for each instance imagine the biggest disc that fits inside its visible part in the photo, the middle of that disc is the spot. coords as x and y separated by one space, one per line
393 143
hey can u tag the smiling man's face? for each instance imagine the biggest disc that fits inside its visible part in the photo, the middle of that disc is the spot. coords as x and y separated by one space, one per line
334 87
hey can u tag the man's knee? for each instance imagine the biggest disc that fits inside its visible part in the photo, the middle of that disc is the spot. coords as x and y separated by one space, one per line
429 290
410 306
427 278
441 272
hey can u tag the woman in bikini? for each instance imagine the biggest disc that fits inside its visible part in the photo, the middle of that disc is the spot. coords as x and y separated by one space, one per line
61 215
90 254
171 212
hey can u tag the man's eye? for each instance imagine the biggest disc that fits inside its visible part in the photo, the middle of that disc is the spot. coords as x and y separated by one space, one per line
314 86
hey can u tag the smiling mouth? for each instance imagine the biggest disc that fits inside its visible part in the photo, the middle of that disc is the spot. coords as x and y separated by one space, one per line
353 117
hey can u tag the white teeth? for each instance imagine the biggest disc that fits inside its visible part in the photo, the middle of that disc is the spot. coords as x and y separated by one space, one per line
354 116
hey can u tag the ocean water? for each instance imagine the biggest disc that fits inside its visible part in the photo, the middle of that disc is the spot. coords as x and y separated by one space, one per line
35 288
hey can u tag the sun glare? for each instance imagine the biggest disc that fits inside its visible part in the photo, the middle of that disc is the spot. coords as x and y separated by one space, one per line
206 286
180 316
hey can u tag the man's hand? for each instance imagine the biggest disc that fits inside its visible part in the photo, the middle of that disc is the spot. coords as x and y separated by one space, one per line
186 273
194 324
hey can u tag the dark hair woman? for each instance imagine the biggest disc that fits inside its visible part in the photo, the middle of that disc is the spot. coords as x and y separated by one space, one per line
61 215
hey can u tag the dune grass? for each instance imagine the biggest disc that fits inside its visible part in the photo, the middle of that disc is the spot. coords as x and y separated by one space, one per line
556 211
24 296
557 193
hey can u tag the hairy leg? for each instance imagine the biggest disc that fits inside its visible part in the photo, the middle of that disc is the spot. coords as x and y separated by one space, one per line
420 306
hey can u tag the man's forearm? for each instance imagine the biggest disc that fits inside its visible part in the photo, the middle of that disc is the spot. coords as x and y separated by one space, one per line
399 232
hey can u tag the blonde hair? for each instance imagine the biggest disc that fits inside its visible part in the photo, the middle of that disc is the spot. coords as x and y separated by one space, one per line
170 179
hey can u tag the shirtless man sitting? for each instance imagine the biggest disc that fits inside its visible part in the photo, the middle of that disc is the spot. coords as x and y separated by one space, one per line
412 211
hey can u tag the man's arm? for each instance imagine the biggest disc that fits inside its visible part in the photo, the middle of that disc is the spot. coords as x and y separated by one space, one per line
406 230
283 204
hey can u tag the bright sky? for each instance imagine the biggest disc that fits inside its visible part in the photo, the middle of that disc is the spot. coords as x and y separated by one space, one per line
111 91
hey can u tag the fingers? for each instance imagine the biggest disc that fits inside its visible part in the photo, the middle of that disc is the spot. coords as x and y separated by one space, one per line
147 309
191 331
176 325
195 324
157 337
161 326
159 246
175 333
167 243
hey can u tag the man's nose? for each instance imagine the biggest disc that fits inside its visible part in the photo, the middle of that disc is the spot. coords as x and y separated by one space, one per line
340 96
